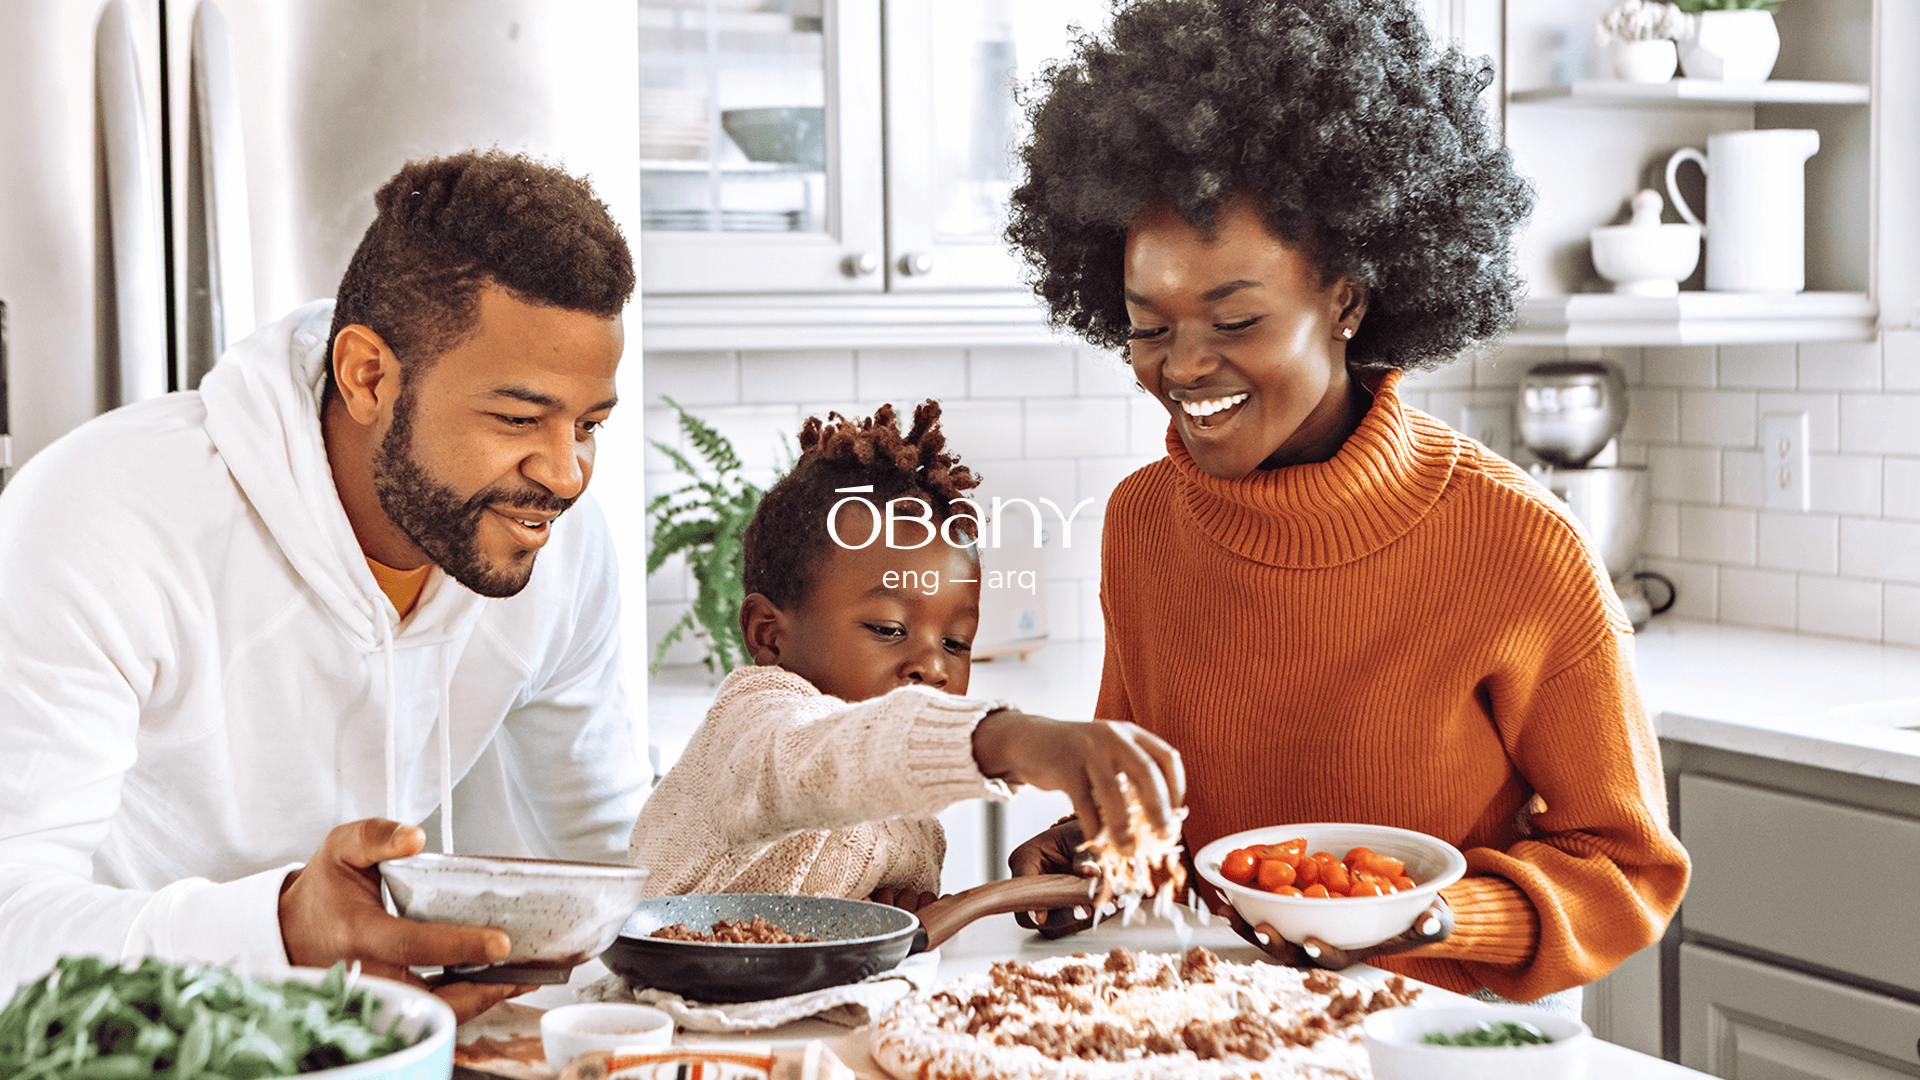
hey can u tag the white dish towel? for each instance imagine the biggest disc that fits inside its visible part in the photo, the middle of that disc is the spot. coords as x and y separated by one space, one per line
849 1004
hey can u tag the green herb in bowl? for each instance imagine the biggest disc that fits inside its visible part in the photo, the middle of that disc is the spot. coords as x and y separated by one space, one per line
1501 1033
92 1019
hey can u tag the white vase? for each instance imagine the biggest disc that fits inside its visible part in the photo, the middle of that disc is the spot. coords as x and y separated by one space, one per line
1644 61
1738 46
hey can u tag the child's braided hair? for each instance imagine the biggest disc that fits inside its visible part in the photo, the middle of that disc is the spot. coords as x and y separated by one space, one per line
788 536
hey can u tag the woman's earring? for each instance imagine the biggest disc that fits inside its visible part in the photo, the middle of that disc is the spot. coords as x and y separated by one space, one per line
1347 332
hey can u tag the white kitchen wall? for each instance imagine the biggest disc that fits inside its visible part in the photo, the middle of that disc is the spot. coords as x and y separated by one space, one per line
1066 423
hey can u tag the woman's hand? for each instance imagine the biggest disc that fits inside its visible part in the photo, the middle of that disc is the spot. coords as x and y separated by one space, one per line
1086 759
1056 851
1434 924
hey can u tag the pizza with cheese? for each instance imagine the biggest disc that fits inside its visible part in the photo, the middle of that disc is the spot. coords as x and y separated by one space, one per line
1135 1016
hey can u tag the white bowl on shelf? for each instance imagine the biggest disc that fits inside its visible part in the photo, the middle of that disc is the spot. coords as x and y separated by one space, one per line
1346 922
1646 260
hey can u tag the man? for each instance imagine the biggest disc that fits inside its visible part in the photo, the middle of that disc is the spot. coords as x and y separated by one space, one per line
287 610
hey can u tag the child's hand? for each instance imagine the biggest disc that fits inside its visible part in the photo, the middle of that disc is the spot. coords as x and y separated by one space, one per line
904 897
1086 760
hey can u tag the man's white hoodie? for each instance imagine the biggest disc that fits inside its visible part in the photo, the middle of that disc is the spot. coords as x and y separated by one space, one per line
195 664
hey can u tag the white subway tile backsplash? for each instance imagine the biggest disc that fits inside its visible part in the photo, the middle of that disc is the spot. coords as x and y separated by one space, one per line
1147 422
772 376
1680 365
1902 607
1696 588
1903 488
1880 550
1740 477
1843 484
1758 367
1076 427
1663 531
1880 424
1900 352
983 429
1823 416
1099 476
1015 478
1764 598
1653 414
1079 561
698 378
1717 534
1098 373
1025 371
1063 609
1840 365
1503 368
1788 541
1717 417
661 618
763 436
907 377
1685 473
659 425
1838 606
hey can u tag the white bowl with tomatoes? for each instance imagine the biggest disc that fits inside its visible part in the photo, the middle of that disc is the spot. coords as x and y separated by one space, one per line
1367 882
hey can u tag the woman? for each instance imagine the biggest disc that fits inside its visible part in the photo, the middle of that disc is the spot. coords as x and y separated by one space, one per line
1334 606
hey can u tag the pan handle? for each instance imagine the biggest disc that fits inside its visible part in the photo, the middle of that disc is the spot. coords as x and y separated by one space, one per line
946 916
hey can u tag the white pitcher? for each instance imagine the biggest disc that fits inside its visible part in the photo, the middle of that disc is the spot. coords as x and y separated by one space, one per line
1756 226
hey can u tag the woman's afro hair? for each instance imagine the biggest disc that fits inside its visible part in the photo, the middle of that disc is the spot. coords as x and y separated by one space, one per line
1358 140
787 538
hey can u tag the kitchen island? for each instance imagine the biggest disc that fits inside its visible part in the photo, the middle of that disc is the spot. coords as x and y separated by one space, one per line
997 938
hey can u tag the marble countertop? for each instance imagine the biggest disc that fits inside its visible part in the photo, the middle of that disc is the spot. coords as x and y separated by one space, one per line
1819 701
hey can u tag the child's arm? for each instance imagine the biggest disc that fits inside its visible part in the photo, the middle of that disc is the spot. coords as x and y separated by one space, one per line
1086 759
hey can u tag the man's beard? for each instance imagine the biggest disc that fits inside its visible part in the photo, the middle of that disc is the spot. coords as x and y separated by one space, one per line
439 521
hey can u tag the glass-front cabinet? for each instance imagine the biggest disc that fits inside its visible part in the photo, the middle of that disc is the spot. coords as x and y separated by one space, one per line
769 164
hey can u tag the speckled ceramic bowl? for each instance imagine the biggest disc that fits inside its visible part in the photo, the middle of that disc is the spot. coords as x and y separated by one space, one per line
559 914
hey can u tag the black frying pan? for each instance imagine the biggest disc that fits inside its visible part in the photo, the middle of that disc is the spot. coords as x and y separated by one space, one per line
858 938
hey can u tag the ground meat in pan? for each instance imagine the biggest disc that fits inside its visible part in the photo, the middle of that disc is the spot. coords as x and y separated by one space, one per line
754 931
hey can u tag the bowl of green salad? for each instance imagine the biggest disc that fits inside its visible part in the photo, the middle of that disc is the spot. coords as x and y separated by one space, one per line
1475 1042
92 1017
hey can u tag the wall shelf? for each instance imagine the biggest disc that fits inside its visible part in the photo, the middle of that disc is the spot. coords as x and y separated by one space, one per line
1679 93
1695 318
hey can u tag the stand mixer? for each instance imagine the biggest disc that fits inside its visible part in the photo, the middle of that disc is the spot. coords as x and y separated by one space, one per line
1568 414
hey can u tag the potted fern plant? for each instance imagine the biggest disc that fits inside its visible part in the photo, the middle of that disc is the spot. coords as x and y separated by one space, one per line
705 519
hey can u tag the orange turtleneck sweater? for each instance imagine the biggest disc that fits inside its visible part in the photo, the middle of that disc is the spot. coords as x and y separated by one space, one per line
1414 634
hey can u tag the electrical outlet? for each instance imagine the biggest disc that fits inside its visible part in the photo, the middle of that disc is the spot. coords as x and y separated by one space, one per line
1785 462
1489 425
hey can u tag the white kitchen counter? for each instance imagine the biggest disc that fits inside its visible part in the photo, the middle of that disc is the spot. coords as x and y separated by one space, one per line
1818 701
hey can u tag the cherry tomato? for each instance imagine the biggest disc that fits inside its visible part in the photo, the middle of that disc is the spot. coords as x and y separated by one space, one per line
1336 878
1295 846
1365 888
1384 865
1325 857
1356 855
1238 867
1403 883
1308 872
1275 874
1288 890
1318 891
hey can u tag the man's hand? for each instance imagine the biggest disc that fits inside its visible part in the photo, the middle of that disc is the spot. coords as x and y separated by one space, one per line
1086 759
330 910
1056 851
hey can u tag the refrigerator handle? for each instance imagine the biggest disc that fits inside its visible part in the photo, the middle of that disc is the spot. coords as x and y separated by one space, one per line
132 295
220 212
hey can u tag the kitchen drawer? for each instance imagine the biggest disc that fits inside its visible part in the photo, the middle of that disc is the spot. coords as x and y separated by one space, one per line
1746 1020
1813 880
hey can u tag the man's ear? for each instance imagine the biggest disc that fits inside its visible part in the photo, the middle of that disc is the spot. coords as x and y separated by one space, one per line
366 372
763 626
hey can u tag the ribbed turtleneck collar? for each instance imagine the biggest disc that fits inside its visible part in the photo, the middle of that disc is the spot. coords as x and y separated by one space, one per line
1385 478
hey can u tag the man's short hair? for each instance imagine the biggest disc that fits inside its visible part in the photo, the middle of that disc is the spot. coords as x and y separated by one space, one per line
447 227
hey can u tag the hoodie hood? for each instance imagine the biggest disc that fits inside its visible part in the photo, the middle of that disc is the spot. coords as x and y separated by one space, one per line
263 415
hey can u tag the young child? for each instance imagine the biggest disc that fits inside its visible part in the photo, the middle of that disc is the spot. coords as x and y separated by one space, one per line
819 769
1338 608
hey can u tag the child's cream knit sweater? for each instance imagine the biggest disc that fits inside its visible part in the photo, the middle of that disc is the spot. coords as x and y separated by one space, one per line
786 790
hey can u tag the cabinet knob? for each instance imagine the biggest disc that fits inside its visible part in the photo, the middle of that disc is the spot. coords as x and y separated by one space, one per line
916 262
860 264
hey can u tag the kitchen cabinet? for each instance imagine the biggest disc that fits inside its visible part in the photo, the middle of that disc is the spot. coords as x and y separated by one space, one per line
1590 142
838 147
1794 957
